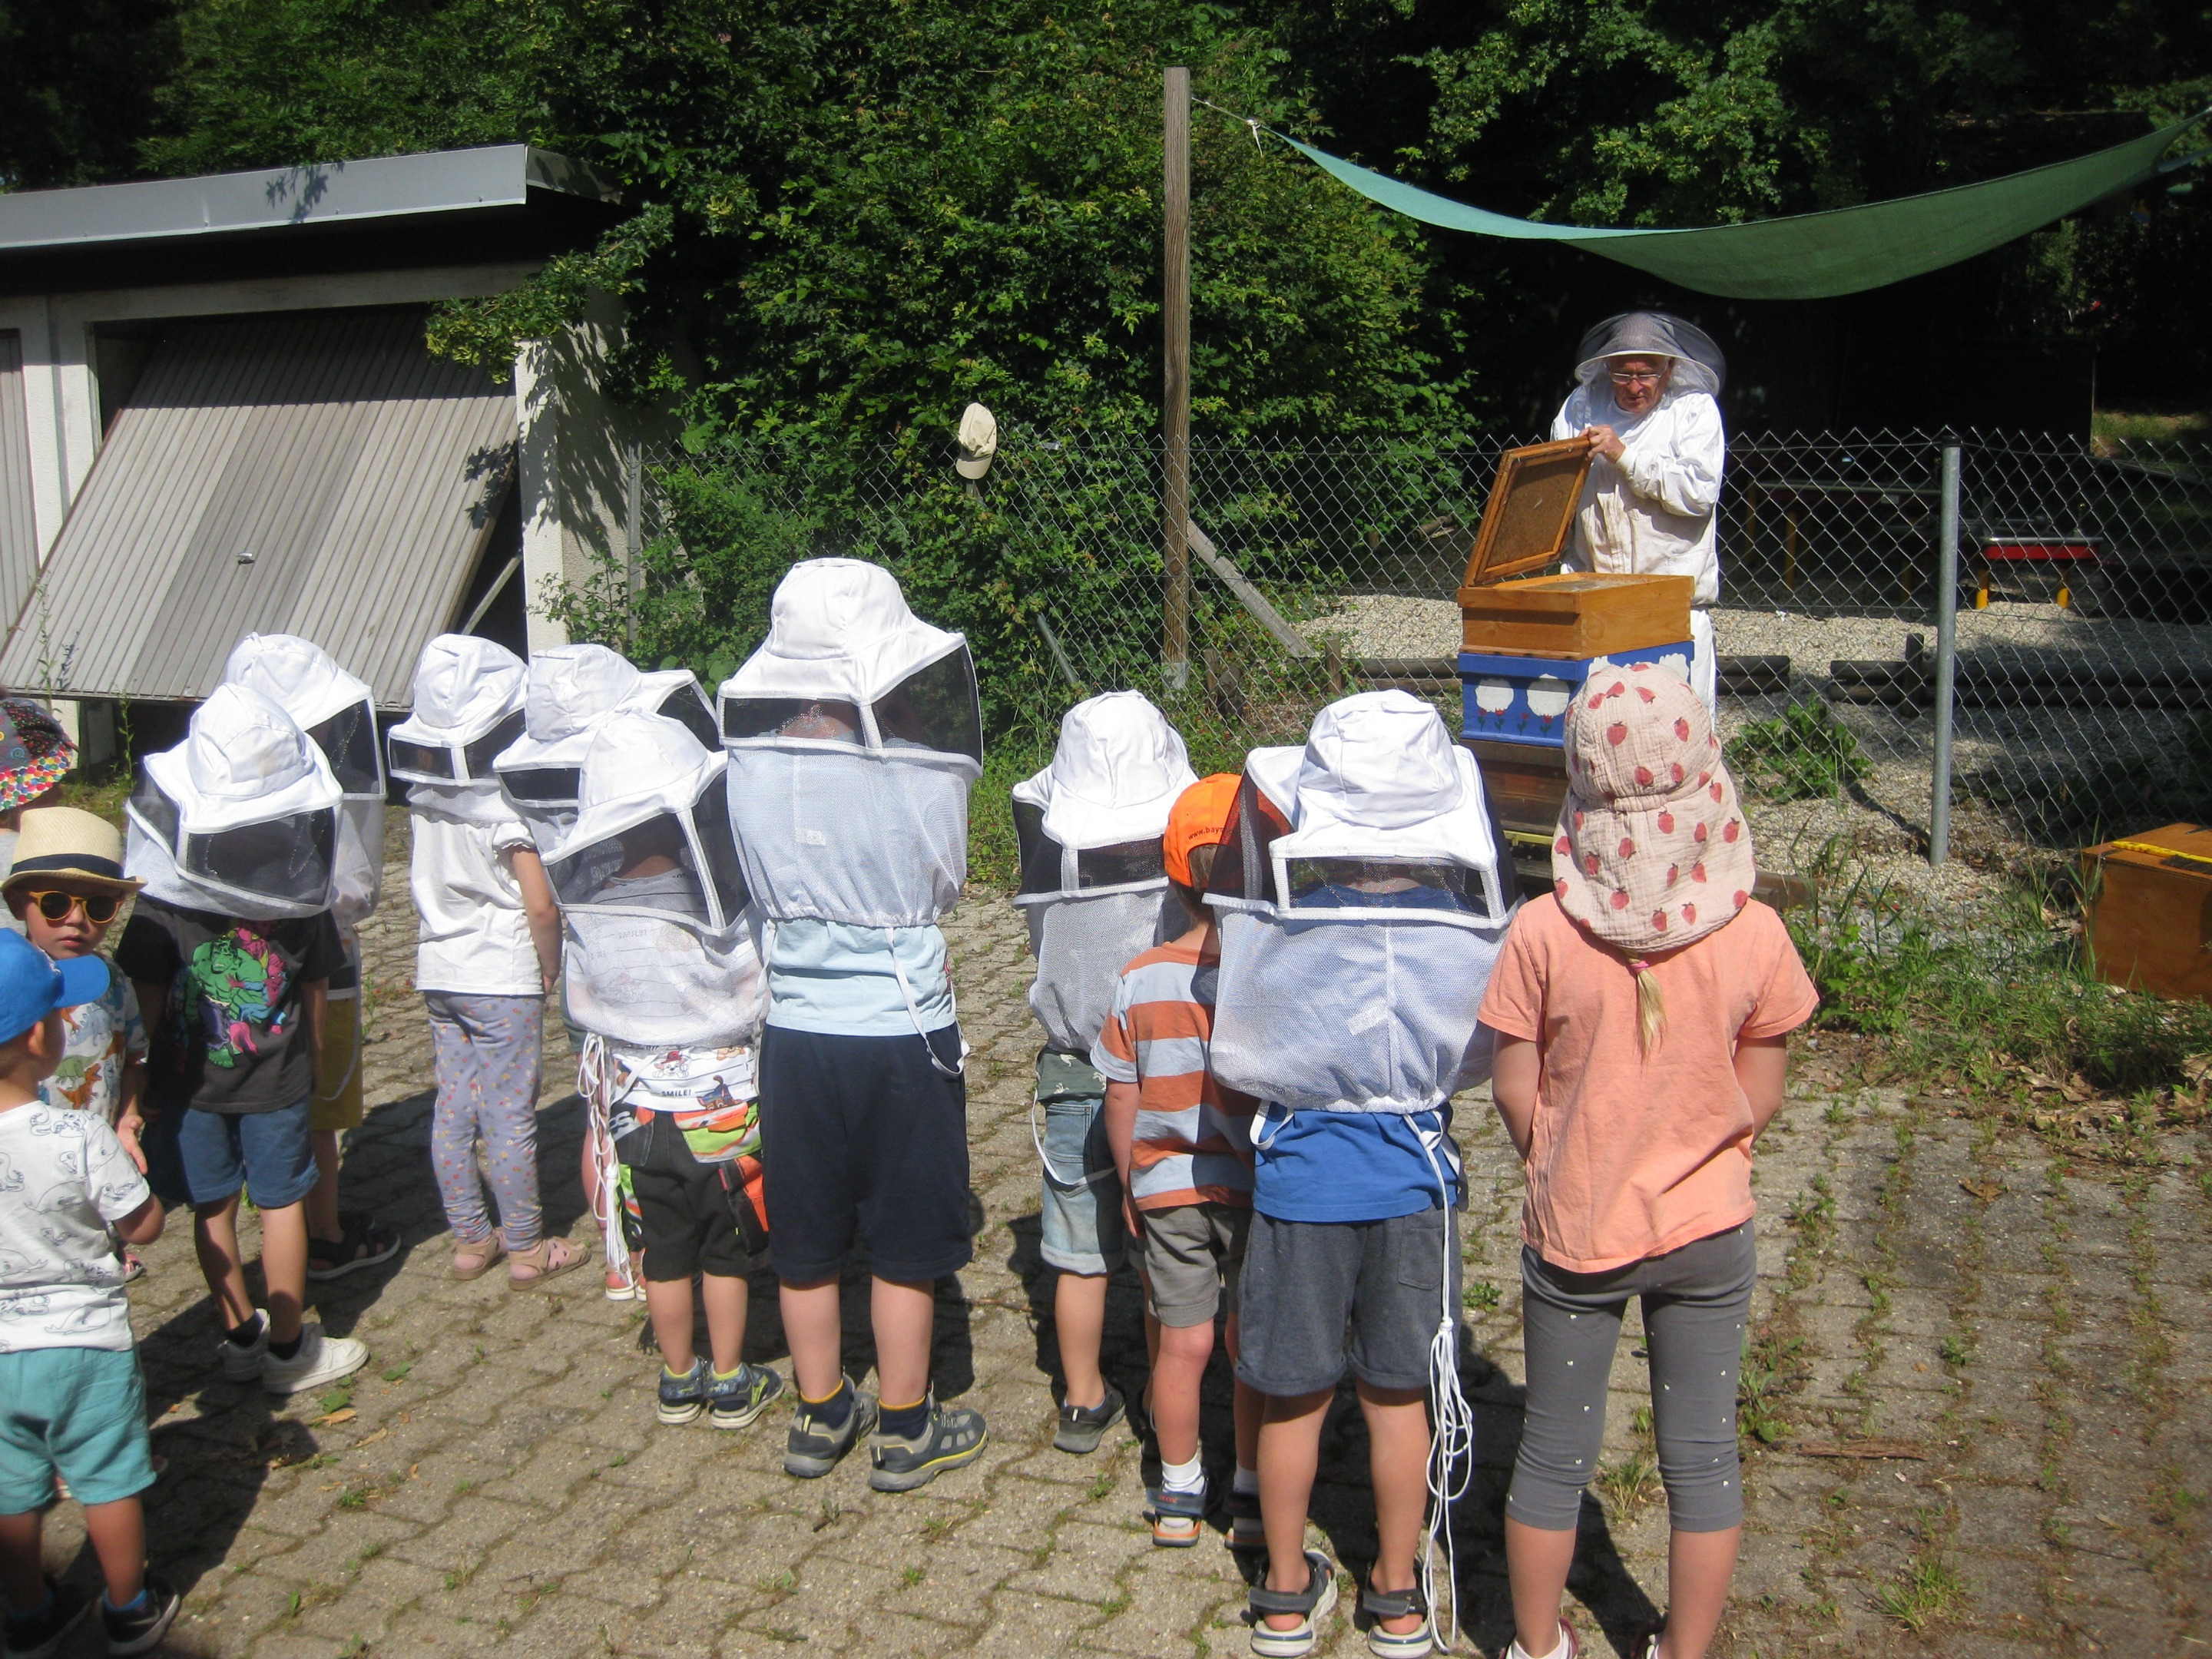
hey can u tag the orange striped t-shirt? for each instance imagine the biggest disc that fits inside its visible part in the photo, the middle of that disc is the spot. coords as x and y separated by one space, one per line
1192 1141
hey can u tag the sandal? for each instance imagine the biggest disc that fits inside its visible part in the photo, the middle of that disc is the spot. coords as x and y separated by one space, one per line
527 1269
361 1243
1379 1605
1178 1518
1311 1605
476 1256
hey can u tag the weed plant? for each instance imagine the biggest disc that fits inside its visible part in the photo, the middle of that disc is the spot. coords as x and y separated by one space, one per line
2012 1008
1802 754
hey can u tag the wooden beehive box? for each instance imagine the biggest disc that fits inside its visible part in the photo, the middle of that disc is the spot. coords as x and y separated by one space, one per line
2150 910
1508 609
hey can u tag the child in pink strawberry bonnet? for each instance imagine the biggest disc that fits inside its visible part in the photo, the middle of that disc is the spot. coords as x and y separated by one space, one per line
1641 1010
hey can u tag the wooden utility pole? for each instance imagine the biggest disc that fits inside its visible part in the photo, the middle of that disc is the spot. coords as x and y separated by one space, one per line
1174 317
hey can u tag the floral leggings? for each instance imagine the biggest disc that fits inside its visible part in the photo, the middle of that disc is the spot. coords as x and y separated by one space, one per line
486 1051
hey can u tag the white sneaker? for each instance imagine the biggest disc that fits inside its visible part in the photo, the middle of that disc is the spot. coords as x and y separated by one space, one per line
244 1364
321 1360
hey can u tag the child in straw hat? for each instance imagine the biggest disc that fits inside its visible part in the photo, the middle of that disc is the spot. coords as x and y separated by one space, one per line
1641 1011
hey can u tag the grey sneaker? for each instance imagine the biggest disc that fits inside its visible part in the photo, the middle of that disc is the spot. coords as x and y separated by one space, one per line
812 1450
1082 1427
736 1403
321 1360
244 1364
952 1438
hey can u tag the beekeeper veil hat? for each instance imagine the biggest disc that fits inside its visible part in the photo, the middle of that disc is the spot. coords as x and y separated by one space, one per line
846 663
1699 365
1092 820
339 714
240 819
652 835
468 708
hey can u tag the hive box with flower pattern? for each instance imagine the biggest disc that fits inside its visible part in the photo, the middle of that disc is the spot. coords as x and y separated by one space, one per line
1515 699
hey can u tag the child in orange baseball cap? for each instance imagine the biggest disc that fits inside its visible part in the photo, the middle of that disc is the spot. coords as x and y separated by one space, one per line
1190 1195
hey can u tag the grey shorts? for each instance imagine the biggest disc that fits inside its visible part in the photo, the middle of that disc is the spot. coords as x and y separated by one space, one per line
1696 1304
1194 1259
1082 1202
1321 1295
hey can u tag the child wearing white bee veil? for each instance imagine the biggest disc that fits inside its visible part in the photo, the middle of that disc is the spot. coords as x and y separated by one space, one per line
1362 903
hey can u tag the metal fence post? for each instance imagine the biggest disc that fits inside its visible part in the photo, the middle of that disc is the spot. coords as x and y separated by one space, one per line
1946 656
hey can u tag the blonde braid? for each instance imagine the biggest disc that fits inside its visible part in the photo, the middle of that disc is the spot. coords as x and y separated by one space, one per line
1651 1006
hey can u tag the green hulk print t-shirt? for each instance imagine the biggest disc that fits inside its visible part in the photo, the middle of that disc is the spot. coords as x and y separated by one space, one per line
234 1036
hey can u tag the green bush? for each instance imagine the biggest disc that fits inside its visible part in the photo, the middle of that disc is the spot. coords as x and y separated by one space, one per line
1804 754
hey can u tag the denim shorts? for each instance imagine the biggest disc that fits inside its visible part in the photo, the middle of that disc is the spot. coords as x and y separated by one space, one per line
80 1411
207 1156
1081 1201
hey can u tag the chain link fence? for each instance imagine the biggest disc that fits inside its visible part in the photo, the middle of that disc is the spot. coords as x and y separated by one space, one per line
2083 620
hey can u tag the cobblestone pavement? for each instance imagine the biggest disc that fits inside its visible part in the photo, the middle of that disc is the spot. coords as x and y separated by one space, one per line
2012 1348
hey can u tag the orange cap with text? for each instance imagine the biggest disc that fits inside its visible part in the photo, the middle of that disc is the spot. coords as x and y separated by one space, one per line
1199 817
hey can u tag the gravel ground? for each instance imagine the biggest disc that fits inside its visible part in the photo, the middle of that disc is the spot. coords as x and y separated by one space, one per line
1376 625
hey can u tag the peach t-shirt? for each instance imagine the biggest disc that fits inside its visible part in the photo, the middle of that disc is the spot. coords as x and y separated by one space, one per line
1632 1158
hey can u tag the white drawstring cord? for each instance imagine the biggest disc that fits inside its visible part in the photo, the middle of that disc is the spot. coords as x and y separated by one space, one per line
1451 1440
595 1070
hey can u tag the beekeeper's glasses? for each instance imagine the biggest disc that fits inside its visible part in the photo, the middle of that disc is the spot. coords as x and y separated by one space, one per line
1639 376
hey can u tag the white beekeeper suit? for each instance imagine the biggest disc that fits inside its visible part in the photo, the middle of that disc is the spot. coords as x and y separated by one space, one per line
1654 512
1094 883
569 691
241 818
339 714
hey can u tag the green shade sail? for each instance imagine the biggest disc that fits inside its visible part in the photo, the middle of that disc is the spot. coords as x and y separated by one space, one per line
1811 256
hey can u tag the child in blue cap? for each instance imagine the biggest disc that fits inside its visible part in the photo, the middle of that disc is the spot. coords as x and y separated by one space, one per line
71 1402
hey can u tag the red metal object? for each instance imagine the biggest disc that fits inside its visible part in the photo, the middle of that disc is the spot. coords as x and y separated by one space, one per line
2013 550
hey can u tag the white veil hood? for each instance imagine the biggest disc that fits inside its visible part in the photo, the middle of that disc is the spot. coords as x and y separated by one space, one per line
1700 363
339 714
468 710
1115 774
241 817
839 628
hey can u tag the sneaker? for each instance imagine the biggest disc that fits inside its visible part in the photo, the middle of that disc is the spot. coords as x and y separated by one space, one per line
682 1398
951 1437
812 1450
736 1403
1310 1605
35 1639
1082 1427
321 1360
244 1364
1245 1531
142 1631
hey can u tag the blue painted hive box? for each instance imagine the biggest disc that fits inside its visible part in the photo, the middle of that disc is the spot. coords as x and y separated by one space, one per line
1525 699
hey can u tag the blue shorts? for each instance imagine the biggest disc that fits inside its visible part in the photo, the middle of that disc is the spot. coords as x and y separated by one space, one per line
1081 1201
206 1157
78 1411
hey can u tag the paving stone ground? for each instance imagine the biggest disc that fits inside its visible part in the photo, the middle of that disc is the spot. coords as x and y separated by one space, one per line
2031 1333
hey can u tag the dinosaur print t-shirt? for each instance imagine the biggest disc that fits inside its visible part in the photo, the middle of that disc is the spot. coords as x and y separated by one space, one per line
233 1035
64 1177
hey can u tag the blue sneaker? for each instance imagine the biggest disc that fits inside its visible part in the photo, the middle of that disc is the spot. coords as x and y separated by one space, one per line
682 1398
735 1401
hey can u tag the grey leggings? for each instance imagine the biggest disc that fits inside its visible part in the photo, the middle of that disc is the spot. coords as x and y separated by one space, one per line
1696 1301
486 1052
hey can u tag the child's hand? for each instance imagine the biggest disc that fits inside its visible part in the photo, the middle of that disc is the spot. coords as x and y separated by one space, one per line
128 1127
1129 1215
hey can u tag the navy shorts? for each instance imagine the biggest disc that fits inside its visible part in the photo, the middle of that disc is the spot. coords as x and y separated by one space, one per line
862 1137
207 1156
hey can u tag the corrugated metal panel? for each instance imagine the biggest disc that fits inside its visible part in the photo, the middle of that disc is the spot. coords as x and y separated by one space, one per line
19 530
361 473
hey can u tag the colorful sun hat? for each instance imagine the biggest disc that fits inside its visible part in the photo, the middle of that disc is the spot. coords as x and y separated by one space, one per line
1652 849
35 753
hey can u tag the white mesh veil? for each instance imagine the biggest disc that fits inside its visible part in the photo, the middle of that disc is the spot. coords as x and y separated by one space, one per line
1094 885
468 710
339 714
1699 365
1362 907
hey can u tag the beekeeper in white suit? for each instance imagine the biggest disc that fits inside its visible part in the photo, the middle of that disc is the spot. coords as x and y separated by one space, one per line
488 951
339 714
1647 396
1362 903
1094 890
854 735
663 974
